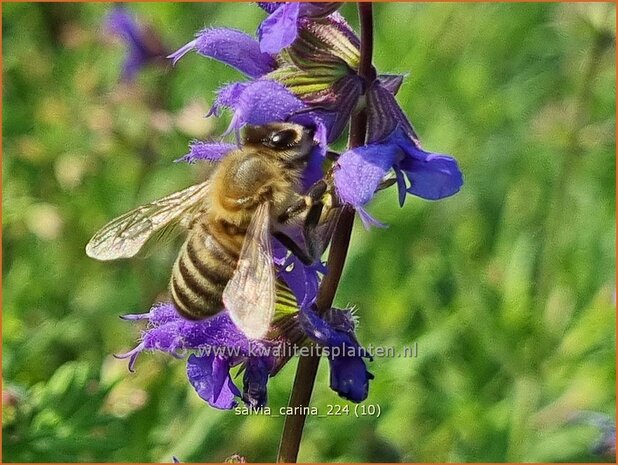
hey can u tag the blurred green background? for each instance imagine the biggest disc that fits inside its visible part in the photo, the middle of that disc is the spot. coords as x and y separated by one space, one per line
508 287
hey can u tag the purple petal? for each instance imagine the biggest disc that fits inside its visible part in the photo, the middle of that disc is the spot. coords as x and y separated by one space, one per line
349 377
211 151
217 331
210 377
313 9
263 102
302 280
232 47
313 172
280 29
325 333
320 136
133 63
280 253
368 220
120 22
348 374
435 178
432 176
227 97
321 118
182 51
360 170
132 356
169 332
142 46
163 313
257 370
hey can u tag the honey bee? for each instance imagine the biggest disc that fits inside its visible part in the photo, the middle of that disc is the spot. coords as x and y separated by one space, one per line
226 261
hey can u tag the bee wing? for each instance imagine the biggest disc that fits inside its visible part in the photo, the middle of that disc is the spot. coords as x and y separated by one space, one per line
250 295
124 236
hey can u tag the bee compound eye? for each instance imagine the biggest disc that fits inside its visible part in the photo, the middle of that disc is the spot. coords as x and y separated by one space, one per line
283 139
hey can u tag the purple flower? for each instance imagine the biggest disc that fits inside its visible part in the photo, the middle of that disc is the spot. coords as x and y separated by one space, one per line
392 144
219 346
262 102
257 372
232 47
265 101
210 377
143 46
280 29
319 70
327 40
210 151
427 175
348 374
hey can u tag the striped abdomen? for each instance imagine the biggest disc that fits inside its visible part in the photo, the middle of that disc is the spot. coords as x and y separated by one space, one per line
201 272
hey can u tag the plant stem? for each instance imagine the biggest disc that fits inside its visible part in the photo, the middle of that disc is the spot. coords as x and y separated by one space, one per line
308 366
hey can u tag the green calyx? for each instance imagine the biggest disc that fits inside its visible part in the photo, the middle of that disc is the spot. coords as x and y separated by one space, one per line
320 56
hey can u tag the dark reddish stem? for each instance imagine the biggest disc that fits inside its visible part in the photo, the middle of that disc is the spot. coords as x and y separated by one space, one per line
308 366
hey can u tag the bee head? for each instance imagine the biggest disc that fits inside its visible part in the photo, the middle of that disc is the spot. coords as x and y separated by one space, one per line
287 141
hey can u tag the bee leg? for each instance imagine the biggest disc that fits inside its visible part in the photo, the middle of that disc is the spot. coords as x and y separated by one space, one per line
309 230
293 247
313 196
313 204
295 209
317 191
311 221
311 234
386 183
